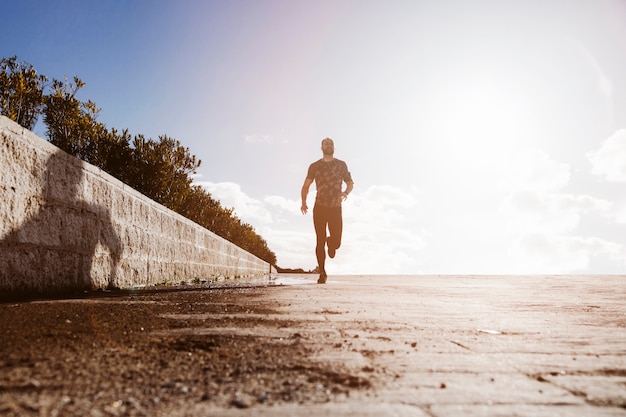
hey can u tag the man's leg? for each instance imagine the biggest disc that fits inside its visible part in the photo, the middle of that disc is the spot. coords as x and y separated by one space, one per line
335 228
319 221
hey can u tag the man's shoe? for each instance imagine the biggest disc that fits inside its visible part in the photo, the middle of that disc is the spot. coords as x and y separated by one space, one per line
322 278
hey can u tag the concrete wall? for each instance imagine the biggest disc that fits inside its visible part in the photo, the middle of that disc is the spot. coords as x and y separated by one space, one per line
66 225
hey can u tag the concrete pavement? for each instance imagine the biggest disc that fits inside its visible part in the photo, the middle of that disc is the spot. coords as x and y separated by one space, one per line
393 345
462 345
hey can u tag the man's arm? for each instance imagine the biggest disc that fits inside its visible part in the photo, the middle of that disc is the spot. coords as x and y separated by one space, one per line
349 187
304 193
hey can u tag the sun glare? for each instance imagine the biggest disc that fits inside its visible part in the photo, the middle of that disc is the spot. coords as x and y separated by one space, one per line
477 121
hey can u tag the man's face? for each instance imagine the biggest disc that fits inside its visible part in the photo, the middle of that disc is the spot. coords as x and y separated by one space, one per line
328 147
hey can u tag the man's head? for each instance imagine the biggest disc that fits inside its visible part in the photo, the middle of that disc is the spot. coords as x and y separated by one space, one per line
328 146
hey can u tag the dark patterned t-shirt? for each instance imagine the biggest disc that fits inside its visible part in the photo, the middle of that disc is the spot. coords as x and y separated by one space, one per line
328 176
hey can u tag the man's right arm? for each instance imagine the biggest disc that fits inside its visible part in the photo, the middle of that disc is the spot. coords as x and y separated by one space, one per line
304 193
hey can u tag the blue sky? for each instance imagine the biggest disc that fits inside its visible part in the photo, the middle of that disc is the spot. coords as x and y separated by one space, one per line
483 136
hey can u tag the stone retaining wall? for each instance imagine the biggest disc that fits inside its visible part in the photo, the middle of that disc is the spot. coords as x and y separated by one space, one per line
66 225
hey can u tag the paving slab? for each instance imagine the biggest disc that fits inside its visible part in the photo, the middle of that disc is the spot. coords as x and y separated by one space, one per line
494 345
356 346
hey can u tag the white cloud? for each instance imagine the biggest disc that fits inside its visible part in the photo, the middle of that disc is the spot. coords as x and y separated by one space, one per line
380 196
552 254
533 204
534 169
620 215
382 232
538 211
294 248
610 160
246 208
542 218
282 203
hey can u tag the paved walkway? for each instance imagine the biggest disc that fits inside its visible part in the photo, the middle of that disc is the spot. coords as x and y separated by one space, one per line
465 346
405 345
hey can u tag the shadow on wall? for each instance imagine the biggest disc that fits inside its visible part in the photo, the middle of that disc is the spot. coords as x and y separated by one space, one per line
66 242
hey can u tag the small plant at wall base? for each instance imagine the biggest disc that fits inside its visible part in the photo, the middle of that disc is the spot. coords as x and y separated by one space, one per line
161 169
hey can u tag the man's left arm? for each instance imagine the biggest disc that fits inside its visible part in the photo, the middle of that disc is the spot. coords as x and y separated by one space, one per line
349 184
349 187
347 178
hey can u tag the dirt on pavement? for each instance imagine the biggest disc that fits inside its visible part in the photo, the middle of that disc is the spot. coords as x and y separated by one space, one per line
131 354
359 346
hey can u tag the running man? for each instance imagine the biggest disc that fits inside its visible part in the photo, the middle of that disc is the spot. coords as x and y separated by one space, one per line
329 175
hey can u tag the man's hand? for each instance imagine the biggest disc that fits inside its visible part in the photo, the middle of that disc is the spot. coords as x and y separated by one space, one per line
304 193
344 195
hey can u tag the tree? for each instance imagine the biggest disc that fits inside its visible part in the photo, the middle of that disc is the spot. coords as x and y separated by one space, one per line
22 92
200 207
112 153
73 126
162 170
71 123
